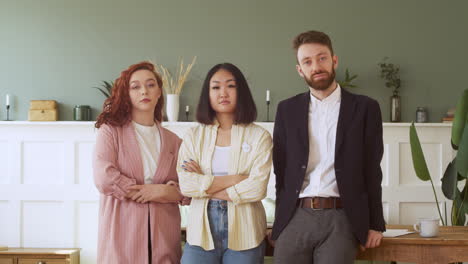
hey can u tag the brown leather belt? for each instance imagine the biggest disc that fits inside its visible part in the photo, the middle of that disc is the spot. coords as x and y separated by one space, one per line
320 202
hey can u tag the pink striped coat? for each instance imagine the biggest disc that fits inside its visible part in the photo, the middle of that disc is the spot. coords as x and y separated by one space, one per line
123 224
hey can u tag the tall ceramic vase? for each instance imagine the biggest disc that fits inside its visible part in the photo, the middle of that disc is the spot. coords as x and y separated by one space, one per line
172 107
395 108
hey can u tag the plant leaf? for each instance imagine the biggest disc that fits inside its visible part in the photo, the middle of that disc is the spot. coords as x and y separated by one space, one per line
462 155
419 162
460 207
460 119
450 181
458 218
102 91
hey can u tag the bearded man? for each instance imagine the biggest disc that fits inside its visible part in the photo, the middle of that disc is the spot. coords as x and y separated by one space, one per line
327 151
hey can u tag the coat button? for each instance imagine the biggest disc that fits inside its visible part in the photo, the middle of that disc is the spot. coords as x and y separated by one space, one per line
303 166
297 191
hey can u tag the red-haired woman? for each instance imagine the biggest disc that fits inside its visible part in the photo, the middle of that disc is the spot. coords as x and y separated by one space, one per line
135 172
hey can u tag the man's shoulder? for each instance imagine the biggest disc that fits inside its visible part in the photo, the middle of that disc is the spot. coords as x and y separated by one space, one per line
292 101
361 99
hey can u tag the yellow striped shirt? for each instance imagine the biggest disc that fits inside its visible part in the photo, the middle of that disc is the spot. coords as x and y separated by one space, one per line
251 147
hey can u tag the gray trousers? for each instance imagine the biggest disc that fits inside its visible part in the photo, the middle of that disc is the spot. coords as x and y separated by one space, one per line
318 237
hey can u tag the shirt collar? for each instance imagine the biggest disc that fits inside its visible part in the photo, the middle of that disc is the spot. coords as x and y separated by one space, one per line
334 97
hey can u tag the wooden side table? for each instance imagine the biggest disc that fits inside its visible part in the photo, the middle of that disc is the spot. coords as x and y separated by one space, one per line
40 256
451 245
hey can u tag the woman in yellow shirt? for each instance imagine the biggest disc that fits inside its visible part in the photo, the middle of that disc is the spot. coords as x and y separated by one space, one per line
224 165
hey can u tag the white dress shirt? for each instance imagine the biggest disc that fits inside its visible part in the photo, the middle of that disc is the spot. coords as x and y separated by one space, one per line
320 179
149 142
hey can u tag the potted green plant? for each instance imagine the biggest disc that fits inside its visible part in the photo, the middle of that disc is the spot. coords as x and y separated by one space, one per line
391 74
348 81
106 88
457 170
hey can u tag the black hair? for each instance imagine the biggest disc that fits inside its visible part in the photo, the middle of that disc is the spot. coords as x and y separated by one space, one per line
246 111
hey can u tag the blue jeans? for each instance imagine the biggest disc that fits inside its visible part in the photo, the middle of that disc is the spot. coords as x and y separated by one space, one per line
217 216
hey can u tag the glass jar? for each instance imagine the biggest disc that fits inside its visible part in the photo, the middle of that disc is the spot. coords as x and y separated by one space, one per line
82 113
421 115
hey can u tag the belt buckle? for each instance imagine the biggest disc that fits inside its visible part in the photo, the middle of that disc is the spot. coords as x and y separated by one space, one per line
316 209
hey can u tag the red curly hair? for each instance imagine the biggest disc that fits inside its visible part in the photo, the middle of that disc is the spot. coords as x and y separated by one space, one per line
118 107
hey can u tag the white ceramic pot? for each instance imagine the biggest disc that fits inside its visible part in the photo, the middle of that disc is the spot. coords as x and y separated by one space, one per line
172 107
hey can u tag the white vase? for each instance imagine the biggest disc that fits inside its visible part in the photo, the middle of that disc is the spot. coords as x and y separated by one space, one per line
172 107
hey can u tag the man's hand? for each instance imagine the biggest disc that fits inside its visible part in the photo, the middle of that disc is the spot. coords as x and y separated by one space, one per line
268 235
373 239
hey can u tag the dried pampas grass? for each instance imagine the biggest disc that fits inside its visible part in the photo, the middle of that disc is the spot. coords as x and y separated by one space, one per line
174 84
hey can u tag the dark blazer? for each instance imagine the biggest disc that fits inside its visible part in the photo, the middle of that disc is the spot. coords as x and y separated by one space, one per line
358 152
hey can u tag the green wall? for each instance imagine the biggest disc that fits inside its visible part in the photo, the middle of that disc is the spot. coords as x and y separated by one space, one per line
60 49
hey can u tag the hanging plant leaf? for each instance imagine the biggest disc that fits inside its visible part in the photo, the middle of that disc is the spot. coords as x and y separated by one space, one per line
460 119
450 181
419 162
462 155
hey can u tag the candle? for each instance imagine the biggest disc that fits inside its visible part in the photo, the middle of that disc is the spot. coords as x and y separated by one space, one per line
7 99
187 108
268 95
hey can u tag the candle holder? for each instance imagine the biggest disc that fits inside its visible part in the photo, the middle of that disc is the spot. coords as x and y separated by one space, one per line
186 115
268 111
8 113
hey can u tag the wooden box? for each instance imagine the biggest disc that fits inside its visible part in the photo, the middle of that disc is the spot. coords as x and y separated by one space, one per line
42 105
43 115
40 255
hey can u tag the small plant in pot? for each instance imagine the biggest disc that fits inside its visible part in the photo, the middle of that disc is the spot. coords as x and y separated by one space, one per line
106 88
348 80
391 74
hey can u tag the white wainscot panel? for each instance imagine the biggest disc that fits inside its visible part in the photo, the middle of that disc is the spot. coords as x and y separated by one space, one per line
4 176
410 212
43 162
6 216
45 224
87 231
84 170
432 153
384 165
386 212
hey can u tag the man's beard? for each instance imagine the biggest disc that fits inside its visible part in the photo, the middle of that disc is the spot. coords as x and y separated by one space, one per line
322 84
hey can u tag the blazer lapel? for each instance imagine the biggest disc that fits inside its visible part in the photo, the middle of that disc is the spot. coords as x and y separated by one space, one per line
345 117
303 125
